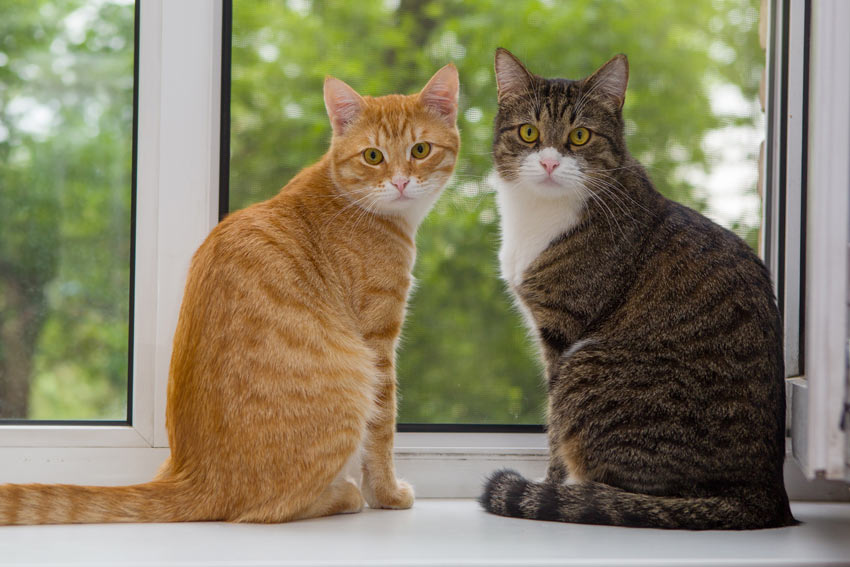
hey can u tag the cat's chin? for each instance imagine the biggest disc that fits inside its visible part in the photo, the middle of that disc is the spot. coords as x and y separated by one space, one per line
544 188
411 208
548 189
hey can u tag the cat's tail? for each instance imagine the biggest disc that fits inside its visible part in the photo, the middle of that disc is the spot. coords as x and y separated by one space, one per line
157 501
507 493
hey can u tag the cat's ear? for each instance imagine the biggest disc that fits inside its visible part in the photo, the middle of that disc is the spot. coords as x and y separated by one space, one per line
441 92
611 79
342 102
512 78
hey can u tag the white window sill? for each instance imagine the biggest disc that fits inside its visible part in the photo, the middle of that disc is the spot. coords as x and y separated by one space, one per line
435 532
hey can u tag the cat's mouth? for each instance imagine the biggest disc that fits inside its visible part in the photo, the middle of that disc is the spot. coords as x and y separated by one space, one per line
549 181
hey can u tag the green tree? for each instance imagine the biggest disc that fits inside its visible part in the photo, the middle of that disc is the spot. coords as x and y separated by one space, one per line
64 181
465 354
66 83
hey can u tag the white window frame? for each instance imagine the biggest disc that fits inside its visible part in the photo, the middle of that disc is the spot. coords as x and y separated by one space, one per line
819 236
177 206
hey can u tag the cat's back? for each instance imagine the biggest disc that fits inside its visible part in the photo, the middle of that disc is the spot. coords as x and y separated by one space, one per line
702 298
277 240
698 270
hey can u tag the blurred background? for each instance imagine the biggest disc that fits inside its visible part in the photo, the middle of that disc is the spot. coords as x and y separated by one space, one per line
66 78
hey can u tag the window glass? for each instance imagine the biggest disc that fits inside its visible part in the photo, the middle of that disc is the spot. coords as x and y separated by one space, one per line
692 119
66 115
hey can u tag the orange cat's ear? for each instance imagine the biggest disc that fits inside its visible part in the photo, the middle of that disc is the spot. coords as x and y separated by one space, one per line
441 93
342 102
611 79
512 78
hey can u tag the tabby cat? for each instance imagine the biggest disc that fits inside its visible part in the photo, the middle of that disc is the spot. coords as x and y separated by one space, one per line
659 332
283 361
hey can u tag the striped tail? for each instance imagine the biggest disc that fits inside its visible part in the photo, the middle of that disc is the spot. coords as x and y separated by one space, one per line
157 501
507 493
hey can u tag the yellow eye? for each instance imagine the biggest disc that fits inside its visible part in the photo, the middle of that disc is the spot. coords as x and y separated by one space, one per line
579 136
528 132
373 156
420 150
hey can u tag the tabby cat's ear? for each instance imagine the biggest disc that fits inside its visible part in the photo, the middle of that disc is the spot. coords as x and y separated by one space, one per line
441 92
512 78
611 79
342 102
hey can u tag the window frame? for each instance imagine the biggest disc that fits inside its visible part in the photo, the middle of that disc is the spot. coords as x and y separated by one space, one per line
177 119
180 165
807 216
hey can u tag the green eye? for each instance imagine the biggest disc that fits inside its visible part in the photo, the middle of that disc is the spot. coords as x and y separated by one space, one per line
528 132
373 156
579 136
420 150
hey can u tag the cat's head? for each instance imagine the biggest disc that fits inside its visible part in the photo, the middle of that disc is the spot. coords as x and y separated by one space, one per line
393 154
555 136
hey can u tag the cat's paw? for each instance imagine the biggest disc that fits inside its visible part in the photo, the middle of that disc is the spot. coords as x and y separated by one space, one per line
351 500
398 497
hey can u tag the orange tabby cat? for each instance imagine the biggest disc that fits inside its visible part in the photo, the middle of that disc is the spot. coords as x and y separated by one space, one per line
283 363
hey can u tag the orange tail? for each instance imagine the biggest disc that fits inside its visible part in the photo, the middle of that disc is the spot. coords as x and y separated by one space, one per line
157 501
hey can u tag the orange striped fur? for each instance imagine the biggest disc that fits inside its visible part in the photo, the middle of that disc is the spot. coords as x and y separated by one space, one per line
283 369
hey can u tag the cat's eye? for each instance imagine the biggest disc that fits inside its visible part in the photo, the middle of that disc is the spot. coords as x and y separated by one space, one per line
420 150
373 156
579 136
528 132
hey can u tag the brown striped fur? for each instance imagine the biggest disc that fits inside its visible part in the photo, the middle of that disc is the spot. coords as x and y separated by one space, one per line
659 330
283 367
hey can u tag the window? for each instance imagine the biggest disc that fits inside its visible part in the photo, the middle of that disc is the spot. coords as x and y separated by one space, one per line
180 48
693 119
808 220
66 140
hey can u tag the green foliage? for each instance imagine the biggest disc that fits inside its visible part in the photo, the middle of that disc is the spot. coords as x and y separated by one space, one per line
64 186
465 354
65 201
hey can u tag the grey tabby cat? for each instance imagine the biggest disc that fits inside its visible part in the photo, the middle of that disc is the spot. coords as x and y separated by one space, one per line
659 329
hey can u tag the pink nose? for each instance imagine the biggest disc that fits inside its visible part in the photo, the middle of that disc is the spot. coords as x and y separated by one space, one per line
400 183
549 164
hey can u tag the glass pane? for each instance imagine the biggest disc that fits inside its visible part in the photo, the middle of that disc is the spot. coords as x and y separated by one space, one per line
66 116
693 120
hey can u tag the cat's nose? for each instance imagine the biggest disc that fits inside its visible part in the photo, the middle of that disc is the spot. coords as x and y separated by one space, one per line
400 182
549 164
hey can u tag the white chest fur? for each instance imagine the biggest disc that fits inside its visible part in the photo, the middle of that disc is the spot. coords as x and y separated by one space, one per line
530 222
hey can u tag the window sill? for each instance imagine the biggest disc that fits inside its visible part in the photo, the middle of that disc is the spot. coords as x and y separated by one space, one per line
435 532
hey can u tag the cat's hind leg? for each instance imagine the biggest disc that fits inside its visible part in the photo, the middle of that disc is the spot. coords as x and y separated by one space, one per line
341 497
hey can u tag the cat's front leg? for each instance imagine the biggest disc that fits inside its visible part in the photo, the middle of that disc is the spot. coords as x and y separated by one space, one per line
380 486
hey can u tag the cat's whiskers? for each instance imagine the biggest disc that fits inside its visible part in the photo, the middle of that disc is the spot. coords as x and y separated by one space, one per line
366 211
617 186
532 90
617 194
354 203
585 98
597 185
590 197
579 182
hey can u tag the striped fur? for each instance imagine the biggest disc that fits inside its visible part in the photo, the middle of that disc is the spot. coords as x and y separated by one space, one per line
658 329
283 367
509 494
